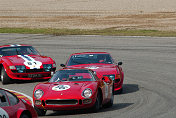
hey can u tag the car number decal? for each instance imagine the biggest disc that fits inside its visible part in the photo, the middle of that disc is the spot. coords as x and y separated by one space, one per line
60 87
92 67
30 62
3 113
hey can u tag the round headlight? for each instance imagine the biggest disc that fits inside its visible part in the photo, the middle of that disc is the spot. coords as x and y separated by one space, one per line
87 93
38 94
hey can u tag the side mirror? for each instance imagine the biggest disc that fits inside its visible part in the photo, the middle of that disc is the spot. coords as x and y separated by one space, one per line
120 63
106 79
62 65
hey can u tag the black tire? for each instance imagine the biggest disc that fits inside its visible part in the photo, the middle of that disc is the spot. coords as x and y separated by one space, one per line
4 77
24 116
40 112
120 91
97 104
110 103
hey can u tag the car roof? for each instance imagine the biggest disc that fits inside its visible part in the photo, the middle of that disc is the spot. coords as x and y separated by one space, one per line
14 45
90 53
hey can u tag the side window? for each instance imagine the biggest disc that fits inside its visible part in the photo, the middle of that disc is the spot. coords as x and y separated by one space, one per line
12 98
3 99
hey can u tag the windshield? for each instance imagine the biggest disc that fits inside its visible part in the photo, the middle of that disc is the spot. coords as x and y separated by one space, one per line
72 75
19 50
89 59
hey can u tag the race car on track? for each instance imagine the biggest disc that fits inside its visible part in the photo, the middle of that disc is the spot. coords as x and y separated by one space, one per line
13 107
102 63
71 89
23 62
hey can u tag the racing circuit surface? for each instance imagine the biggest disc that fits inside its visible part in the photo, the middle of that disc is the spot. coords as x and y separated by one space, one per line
148 63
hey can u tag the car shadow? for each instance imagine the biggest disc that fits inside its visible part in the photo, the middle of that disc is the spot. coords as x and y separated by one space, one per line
84 111
28 81
128 88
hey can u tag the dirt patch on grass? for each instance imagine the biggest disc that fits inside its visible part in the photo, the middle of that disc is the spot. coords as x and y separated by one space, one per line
89 14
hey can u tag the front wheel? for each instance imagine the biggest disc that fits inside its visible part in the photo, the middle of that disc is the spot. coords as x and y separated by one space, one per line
97 104
4 77
110 103
24 116
40 112
120 91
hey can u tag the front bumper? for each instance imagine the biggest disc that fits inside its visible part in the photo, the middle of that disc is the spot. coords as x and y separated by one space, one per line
31 75
65 104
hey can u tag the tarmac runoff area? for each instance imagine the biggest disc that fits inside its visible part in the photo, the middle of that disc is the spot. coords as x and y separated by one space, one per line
148 64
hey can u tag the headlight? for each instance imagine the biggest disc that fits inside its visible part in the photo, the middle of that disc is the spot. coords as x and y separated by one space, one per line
111 76
87 93
38 93
12 67
20 69
54 65
47 67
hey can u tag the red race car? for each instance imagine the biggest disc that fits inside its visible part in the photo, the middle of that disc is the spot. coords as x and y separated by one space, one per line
102 63
23 62
13 107
71 89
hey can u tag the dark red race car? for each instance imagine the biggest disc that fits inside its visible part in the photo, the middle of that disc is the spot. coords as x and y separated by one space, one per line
13 107
71 89
101 62
23 62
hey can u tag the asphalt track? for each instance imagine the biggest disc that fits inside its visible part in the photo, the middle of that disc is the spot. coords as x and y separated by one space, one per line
148 62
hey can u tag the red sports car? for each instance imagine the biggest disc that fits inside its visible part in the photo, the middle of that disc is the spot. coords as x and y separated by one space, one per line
13 107
102 63
71 89
23 62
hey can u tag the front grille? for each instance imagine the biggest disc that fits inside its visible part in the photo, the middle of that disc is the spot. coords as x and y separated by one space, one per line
29 70
62 102
33 70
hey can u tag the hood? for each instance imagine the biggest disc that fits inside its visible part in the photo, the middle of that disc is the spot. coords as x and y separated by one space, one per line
28 60
98 68
66 90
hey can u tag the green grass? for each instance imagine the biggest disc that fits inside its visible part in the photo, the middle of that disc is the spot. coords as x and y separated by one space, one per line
109 31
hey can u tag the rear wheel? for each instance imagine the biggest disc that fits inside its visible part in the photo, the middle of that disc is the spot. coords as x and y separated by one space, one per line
4 77
40 112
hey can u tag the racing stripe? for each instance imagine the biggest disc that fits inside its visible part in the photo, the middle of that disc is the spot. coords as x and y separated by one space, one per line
30 62
26 57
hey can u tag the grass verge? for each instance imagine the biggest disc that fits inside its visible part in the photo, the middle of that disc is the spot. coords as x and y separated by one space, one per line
109 31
